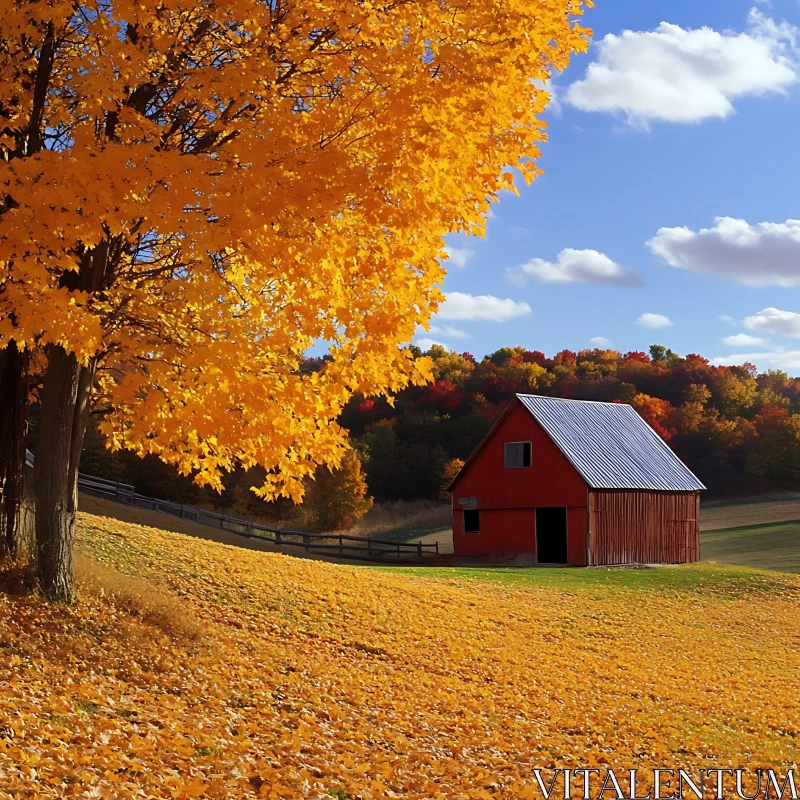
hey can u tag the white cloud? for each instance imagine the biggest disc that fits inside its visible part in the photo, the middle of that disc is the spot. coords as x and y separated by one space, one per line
648 320
772 359
766 254
484 307
600 341
448 331
772 320
726 318
426 344
573 266
459 257
744 340
423 339
683 75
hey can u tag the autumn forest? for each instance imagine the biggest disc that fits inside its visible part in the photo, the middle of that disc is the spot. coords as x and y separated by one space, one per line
736 428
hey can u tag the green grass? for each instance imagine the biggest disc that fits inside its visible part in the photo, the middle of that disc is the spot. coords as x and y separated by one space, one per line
689 577
739 554
773 546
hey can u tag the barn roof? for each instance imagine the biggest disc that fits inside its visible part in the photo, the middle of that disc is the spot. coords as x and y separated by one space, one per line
610 445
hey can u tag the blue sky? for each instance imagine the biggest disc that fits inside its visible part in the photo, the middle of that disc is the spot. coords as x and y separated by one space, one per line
669 146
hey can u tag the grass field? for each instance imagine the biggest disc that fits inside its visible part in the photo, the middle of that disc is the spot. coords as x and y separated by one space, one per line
761 532
402 521
189 668
768 541
692 577
750 511
774 545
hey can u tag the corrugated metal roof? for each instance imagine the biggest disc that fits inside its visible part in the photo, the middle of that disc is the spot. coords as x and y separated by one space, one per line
610 445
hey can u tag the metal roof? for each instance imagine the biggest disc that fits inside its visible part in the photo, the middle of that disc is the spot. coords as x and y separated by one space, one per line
610 445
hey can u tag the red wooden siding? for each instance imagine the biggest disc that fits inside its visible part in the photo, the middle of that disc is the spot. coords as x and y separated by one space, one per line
550 481
512 532
577 536
507 498
503 532
644 527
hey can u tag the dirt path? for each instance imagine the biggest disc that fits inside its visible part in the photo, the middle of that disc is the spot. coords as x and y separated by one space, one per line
444 537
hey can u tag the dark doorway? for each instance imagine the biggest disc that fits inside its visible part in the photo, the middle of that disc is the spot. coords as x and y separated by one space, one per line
472 521
551 535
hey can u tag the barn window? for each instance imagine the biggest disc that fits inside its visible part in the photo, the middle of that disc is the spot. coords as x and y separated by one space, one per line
472 520
517 455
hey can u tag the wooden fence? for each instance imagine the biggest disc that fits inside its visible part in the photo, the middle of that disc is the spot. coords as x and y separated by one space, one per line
353 547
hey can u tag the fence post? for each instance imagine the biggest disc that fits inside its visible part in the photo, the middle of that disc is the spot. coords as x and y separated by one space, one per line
419 549
181 510
369 546
341 545
437 547
116 494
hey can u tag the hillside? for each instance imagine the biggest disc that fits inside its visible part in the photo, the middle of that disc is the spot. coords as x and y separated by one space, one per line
749 511
756 532
220 672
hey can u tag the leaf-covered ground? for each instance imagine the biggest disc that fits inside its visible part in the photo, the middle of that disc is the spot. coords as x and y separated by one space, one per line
311 680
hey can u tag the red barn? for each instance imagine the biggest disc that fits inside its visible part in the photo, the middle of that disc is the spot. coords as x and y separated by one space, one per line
575 482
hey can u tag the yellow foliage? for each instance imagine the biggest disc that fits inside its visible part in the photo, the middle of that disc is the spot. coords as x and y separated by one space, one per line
451 470
338 498
222 186
316 677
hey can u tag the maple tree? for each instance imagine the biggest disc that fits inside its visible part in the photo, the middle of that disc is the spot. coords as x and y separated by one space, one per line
193 196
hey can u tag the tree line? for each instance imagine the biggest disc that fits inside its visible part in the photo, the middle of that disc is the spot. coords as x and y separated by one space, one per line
736 428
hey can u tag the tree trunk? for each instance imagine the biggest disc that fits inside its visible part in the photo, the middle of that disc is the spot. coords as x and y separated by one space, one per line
13 413
66 391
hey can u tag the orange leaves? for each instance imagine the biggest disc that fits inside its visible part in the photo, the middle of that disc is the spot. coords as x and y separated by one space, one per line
313 678
197 788
246 203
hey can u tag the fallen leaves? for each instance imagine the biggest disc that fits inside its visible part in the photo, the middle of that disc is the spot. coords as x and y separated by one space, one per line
311 679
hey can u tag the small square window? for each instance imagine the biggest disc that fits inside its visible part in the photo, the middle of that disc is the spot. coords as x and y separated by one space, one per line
472 520
517 455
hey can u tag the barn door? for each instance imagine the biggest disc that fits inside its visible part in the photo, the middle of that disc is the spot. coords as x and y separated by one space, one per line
551 535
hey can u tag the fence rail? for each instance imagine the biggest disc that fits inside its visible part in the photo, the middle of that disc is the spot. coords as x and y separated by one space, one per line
318 543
